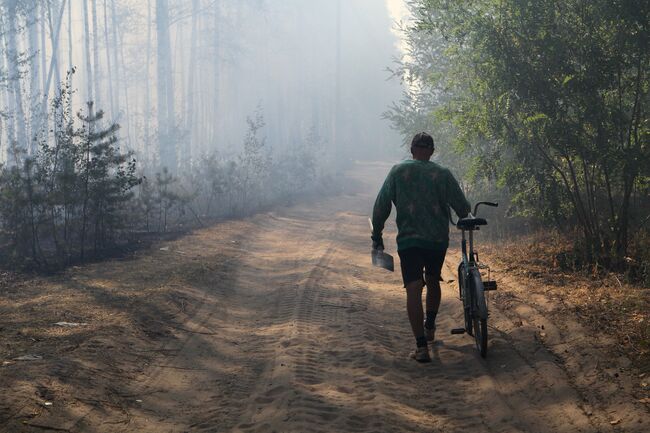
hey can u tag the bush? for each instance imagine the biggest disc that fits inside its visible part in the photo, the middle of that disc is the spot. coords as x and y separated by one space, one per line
69 198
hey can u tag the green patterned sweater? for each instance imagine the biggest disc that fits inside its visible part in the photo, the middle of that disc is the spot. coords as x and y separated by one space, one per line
422 192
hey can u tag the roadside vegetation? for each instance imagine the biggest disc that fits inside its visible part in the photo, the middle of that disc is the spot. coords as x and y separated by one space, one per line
543 106
80 196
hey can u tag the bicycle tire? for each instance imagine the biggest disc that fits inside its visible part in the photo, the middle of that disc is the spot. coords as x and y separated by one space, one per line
480 306
481 336
480 314
461 267
464 296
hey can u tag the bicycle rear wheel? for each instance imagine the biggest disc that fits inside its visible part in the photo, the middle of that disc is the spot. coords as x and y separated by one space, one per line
479 313
481 335
465 297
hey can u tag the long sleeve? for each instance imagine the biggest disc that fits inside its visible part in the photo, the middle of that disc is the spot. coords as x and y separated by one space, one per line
456 198
382 208
422 192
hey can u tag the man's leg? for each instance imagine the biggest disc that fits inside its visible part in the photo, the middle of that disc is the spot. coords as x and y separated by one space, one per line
432 306
433 295
414 310
412 264
435 260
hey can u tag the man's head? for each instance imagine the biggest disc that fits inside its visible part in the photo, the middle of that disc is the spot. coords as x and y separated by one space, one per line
422 146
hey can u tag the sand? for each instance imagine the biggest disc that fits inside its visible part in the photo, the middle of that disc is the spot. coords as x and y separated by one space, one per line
277 323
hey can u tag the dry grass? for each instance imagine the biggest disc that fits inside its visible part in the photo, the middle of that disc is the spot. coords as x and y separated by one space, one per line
602 300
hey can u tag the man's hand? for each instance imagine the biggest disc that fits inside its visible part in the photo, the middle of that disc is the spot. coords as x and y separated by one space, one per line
378 244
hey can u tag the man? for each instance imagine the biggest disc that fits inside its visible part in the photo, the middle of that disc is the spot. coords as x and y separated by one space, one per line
422 192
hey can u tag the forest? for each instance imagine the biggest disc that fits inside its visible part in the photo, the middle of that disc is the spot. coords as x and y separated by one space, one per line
121 118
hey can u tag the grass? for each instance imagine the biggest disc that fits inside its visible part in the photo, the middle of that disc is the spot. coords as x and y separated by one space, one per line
602 300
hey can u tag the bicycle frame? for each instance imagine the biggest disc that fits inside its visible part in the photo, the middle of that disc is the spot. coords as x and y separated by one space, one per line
472 281
471 271
468 259
471 258
471 286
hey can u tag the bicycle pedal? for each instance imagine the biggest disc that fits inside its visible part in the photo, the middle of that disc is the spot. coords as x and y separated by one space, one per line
489 285
458 331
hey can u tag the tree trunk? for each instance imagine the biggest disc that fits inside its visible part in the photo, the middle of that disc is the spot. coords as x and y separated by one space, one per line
97 81
623 219
53 65
116 63
337 91
127 106
5 127
34 69
54 41
70 52
43 45
165 91
147 89
189 109
111 97
14 74
214 118
89 71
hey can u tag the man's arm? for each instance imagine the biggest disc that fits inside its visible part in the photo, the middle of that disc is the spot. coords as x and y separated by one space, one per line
381 210
456 197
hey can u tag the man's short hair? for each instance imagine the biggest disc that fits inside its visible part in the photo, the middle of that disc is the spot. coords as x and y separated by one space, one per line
422 140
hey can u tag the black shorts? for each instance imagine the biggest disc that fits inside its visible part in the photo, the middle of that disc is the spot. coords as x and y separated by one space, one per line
415 262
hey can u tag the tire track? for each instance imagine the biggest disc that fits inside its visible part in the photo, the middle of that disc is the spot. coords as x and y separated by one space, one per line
293 361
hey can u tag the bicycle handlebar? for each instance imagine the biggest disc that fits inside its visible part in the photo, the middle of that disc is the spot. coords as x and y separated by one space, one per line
487 203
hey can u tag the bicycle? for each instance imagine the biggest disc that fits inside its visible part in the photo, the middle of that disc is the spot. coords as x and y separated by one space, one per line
471 286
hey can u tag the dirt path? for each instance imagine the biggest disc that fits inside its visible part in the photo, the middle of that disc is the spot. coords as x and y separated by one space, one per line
278 324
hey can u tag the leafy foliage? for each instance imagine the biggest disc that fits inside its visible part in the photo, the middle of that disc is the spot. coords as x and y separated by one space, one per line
548 98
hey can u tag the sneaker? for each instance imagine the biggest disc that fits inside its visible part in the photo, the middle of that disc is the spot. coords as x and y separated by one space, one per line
421 354
430 334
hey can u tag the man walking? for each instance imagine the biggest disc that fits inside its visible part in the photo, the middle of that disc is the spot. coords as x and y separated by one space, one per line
422 192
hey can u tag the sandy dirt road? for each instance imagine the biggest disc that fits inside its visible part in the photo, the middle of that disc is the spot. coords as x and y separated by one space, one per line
278 324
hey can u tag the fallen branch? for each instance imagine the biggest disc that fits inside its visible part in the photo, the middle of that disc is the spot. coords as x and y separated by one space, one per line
618 281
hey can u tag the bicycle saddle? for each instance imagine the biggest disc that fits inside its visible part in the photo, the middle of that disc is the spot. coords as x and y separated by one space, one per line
468 223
